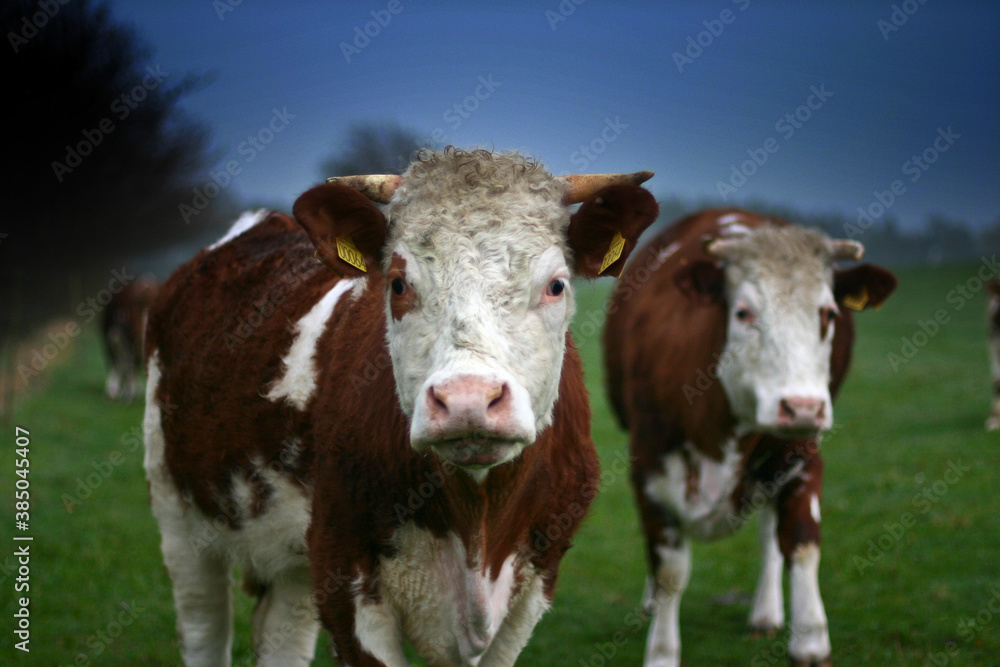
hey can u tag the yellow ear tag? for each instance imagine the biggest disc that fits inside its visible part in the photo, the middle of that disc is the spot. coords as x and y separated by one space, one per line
857 301
614 252
349 252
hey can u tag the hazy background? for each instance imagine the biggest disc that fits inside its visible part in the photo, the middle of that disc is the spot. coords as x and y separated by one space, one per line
809 110
559 78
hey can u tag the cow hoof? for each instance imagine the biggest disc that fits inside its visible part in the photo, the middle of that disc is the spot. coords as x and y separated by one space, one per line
822 662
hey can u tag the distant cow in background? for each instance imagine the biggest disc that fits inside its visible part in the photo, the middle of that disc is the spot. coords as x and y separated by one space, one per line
993 315
727 337
124 329
417 403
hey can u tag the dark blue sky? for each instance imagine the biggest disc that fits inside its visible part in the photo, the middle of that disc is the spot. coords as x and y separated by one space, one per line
601 88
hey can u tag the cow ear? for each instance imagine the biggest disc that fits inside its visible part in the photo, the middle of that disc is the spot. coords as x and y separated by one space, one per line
993 287
702 281
604 230
863 286
347 229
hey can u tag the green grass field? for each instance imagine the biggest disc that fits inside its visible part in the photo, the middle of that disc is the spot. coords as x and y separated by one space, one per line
895 594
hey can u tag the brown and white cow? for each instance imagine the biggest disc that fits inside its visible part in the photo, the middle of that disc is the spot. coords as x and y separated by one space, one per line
993 346
417 405
124 326
728 335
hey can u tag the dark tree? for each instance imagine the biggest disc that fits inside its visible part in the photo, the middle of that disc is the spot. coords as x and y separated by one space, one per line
98 156
370 148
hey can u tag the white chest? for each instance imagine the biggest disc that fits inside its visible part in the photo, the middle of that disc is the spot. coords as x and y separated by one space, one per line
698 489
447 604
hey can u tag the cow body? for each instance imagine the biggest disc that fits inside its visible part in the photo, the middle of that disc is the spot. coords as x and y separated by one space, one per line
723 370
377 446
993 347
123 327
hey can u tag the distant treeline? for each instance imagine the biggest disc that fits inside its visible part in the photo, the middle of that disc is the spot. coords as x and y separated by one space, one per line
939 240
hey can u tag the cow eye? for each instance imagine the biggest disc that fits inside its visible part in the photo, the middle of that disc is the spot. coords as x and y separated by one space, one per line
398 286
744 315
556 287
827 316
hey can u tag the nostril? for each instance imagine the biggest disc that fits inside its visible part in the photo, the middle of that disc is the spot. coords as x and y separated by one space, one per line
800 410
496 396
785 411
437 400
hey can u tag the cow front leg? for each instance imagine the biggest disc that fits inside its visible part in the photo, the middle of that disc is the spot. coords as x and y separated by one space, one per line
767 615
671 568
516 629
993 422
203 599
201 580
799 540
374 639
809 645
285 626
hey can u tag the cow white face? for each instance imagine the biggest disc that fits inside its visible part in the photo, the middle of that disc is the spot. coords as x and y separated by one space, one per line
477 257
478 303
776 361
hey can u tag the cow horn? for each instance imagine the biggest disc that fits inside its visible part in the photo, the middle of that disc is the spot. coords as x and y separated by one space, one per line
377 187
722 247
583 186
844 249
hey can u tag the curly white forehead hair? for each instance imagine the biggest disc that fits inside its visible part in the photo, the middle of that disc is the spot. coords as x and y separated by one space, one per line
464 191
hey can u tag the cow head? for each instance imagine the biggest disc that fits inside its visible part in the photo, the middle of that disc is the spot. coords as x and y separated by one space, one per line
783 297
476 258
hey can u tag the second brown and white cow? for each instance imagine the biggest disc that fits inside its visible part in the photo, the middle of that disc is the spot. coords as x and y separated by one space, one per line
124 327
417 406
727 337
993 347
